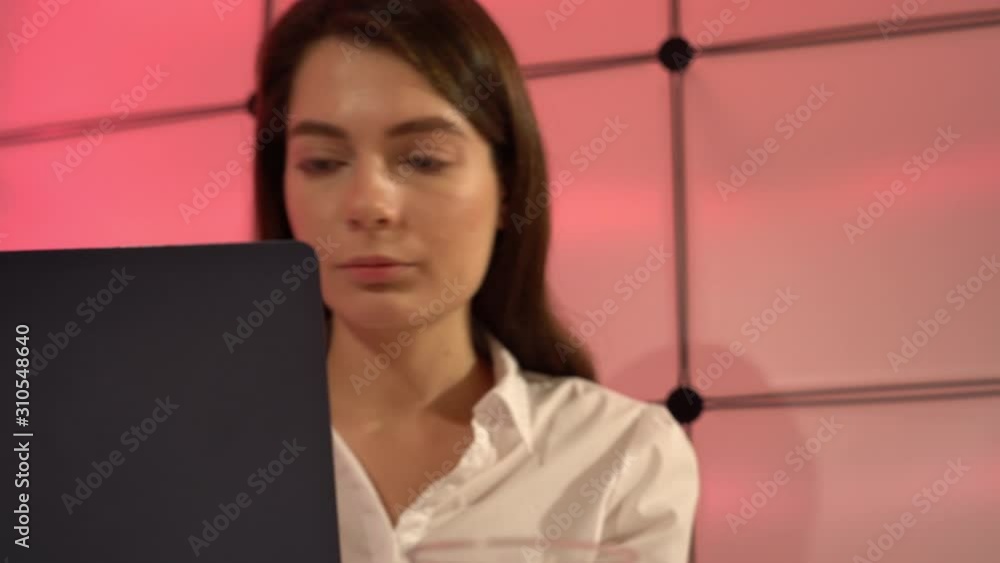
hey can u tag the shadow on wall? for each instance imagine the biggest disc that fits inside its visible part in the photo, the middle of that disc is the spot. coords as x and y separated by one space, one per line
759 483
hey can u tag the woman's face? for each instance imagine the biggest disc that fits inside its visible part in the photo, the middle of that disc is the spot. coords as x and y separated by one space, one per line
379 166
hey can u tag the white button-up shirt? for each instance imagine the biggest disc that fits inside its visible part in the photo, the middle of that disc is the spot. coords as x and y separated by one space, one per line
554 460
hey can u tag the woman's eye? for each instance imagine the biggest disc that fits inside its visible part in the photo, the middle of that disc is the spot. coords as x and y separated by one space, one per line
318 166
426 163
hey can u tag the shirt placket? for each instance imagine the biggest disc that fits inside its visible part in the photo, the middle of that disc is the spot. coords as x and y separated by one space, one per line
444 497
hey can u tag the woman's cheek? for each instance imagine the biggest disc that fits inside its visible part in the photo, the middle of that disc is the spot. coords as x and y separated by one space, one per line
306 209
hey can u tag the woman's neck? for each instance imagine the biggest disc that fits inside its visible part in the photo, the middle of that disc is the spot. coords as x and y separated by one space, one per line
388 377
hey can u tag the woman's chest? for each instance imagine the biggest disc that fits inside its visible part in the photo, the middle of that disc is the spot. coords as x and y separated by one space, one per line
463 491
399 470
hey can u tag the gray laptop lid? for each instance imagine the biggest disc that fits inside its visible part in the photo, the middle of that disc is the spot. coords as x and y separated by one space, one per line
176 406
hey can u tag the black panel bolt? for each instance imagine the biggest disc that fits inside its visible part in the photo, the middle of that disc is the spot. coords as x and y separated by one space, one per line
676 54
685 404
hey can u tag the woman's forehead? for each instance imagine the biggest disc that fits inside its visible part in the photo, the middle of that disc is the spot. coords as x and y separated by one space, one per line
327 65
377 96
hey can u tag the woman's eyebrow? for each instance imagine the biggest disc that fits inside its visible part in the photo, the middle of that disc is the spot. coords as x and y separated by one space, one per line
312 127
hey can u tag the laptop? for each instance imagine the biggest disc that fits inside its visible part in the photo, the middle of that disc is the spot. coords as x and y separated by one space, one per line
167 404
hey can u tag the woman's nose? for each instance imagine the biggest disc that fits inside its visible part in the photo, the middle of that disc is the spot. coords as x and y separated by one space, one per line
373 199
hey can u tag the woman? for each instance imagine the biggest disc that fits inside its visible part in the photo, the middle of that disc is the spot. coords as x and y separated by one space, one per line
460 407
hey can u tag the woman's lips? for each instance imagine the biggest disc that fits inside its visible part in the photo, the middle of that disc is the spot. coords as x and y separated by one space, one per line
377 273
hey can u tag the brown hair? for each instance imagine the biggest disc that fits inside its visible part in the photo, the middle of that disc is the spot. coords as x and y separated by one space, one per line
457 47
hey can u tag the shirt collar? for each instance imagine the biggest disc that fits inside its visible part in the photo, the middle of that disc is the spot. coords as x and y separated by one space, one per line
508 402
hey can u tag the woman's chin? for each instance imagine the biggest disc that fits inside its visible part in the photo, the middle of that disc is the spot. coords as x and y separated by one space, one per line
378 317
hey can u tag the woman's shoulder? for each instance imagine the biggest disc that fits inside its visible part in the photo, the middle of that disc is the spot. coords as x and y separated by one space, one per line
588 408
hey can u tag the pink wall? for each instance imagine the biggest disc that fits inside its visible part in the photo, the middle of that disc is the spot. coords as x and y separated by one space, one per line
905 127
